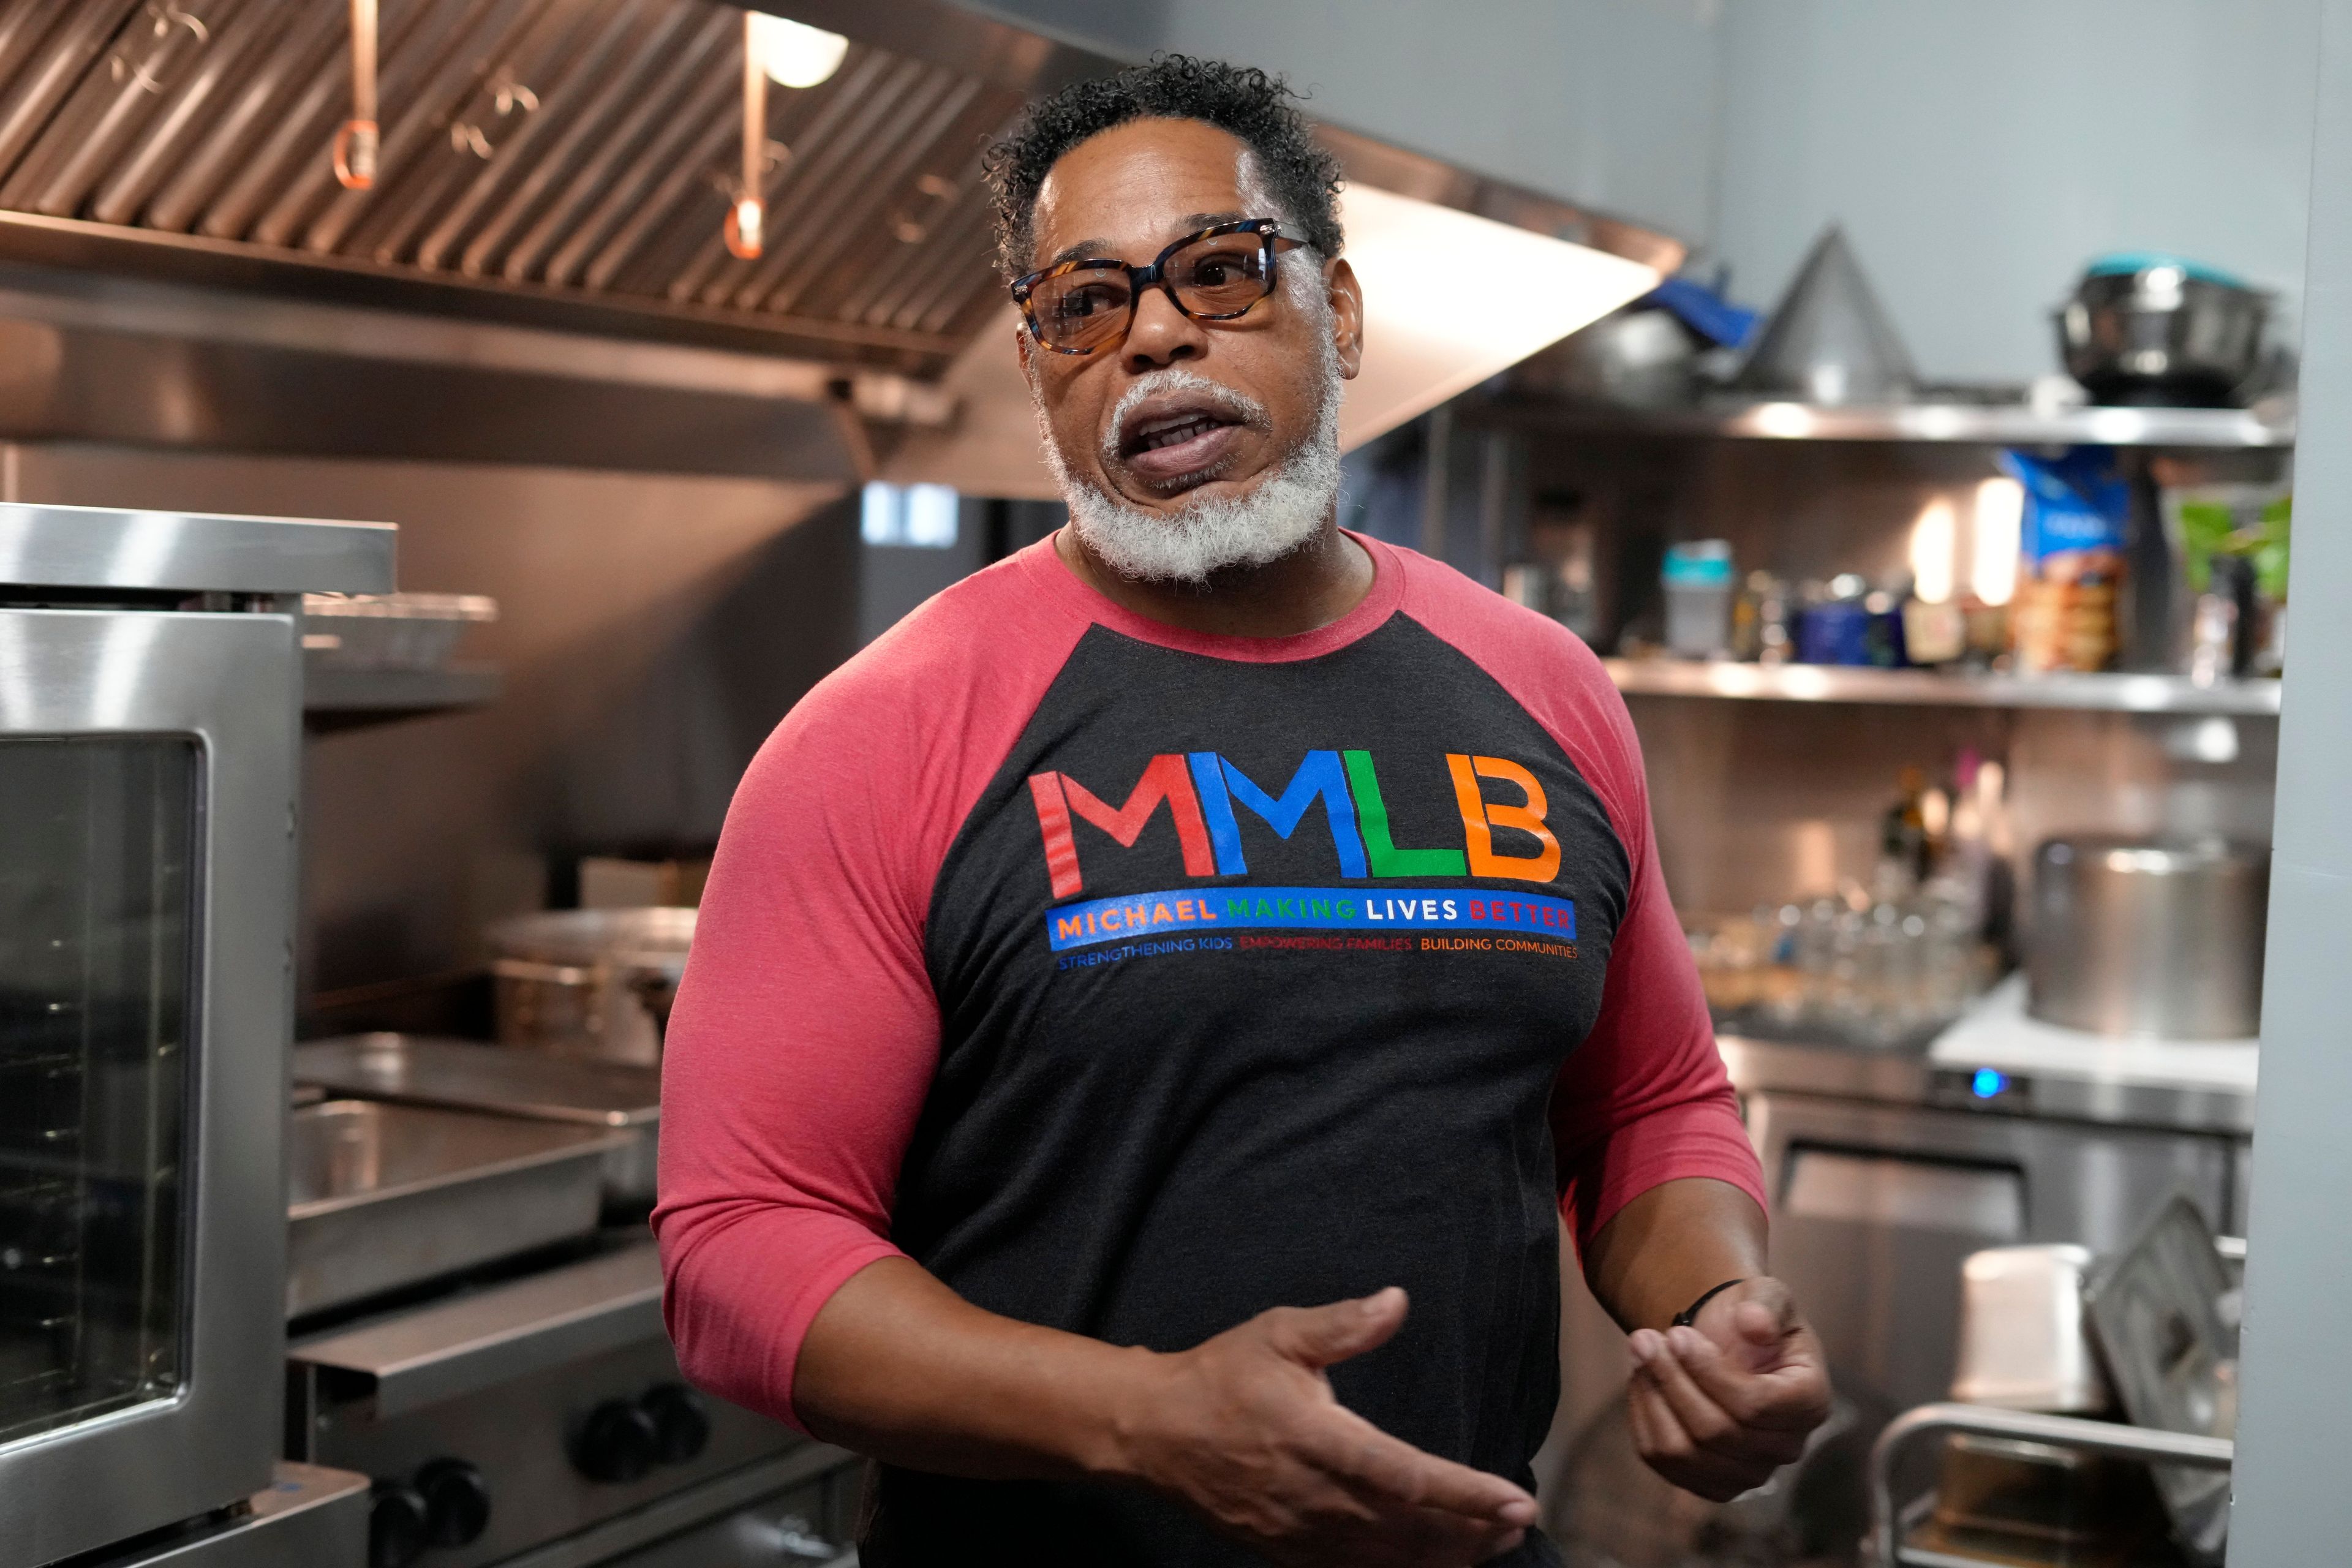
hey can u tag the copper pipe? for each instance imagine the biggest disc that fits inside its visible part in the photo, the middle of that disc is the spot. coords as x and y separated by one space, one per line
355 142
744 218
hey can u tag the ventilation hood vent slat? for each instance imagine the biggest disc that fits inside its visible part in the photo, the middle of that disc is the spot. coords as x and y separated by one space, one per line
575 147
179 266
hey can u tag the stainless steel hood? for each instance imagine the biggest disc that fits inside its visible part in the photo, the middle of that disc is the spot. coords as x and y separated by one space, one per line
538 273
562 163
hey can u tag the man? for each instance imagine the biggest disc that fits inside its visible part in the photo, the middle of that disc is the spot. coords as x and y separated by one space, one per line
1152 1009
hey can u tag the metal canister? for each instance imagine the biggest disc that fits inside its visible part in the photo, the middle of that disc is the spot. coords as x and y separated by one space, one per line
2159 937
2022 1341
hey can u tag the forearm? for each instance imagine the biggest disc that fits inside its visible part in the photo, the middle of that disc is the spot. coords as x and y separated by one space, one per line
1661 1251
899 1367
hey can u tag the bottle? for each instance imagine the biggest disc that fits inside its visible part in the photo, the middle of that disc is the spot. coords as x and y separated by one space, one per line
1934 634
1697 579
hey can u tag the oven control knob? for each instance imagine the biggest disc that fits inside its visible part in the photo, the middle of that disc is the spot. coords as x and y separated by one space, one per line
617 1442
397 1525
456 1502
679 1419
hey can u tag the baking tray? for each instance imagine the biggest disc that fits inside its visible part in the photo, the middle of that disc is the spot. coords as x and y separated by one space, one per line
464 1075
389 631
2155 1310
383 1195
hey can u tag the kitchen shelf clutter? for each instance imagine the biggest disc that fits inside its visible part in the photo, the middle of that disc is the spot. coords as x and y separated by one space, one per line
1918 688
1996 424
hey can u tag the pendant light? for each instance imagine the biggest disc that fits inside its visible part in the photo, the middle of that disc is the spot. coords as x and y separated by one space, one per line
744 219
789 54
355 142
795 54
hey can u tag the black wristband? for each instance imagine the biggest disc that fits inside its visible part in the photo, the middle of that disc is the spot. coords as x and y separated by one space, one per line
1690 1315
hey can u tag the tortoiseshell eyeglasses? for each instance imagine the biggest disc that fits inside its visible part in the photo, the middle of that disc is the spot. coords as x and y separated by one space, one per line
1216 275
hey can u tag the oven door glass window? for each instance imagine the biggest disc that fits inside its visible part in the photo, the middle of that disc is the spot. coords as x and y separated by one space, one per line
98 890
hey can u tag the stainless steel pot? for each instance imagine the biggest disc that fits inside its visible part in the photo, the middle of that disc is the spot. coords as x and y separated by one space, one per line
590 983
1634 358
2163 332
2153 937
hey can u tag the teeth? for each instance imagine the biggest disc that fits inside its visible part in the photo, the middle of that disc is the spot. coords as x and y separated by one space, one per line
1170 436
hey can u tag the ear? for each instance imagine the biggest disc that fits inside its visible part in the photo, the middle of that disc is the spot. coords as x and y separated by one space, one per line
1347 317
1021 347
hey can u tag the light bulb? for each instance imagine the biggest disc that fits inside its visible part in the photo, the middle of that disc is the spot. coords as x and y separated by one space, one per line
2000 511
747 238
795 54
1933 552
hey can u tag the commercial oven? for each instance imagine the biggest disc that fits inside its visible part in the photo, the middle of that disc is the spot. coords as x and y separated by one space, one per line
149 758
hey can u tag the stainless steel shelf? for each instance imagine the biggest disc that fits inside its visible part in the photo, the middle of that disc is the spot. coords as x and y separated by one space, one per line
336 698
1926 689
2001 425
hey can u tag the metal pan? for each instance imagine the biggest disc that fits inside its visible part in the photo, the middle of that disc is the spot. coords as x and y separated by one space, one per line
2156 1312
464 1075
383 1196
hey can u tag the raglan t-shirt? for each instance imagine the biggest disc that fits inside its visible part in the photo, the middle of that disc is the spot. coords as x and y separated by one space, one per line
1134 980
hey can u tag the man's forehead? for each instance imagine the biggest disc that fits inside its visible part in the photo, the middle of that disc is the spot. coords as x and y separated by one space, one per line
1138 185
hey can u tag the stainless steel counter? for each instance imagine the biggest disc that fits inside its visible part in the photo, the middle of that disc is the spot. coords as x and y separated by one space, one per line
1914 1078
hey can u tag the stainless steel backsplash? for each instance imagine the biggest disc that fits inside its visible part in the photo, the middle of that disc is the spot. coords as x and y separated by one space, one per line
651 631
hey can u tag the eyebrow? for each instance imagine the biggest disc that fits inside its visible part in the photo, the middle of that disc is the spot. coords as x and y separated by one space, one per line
1085 251
1190 223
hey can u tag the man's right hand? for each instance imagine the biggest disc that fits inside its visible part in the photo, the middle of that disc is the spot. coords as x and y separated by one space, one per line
1245 1430
1243 1427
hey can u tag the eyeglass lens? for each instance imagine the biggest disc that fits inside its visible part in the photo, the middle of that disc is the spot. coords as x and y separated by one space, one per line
1220 276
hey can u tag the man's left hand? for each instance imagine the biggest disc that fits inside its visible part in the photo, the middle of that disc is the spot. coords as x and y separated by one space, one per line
1718 1406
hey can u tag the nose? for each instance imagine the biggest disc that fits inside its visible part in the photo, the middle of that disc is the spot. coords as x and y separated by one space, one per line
1161 335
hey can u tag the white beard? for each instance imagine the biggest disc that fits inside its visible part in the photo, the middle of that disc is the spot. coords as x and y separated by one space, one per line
1284 512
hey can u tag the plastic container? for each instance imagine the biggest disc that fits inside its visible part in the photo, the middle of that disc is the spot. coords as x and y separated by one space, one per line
1698 583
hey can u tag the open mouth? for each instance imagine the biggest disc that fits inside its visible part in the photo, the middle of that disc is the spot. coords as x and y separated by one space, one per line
1174 433
1179 440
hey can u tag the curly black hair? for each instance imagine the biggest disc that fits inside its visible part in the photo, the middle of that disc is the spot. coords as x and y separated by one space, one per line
1254 107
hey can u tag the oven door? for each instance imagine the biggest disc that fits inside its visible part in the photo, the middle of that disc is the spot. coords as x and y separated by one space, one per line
147 776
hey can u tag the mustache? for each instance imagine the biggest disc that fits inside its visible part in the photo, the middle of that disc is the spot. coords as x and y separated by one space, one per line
1237 406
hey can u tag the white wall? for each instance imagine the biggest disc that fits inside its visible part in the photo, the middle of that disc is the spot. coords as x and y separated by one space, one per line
1979 153
1606 102
2292 1504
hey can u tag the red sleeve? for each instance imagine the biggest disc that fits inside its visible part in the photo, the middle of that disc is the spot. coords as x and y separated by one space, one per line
806 1030
1644 1099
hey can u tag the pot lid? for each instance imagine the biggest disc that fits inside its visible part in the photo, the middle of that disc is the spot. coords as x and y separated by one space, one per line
2124 263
